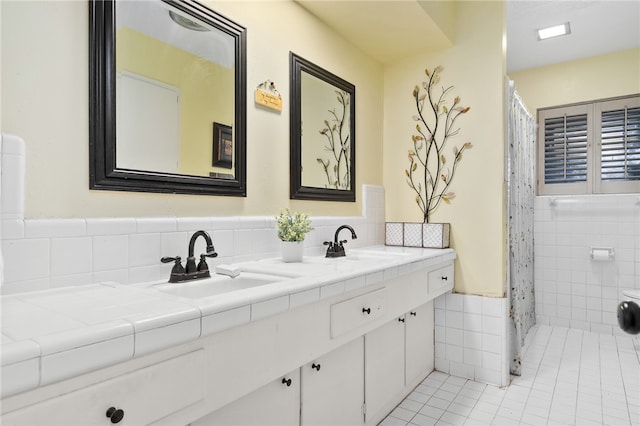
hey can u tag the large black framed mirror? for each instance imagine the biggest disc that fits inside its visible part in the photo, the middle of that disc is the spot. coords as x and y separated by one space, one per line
164 77
322 133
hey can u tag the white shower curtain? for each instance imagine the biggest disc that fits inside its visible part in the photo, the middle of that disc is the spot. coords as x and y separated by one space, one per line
520 180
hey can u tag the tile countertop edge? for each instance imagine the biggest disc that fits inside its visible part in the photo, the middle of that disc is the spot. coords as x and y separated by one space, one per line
41 346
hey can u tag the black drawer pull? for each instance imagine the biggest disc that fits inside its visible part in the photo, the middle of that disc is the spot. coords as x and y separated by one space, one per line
413 314
366 311
286 382
401 319
115 414
444 278
316 366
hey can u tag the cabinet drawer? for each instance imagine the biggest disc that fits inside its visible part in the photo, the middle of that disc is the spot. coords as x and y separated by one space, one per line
352 313
145 396
441 279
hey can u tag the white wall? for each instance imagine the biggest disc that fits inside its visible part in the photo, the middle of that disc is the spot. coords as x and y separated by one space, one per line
44 83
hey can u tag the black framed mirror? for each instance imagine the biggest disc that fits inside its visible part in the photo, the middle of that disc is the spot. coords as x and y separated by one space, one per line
322 132
164 77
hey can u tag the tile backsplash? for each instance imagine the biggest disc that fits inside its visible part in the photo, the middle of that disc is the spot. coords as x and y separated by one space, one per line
571 289
46 253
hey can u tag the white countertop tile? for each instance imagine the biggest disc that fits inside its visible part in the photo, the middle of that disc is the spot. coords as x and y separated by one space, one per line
22 320
226 319
304 297
60 342
73 362
154 339
60 333
14 352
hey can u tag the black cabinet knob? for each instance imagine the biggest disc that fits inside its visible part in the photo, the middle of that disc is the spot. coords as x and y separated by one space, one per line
115 414
286 382
444 278
366 311
401 319
413 314
316 366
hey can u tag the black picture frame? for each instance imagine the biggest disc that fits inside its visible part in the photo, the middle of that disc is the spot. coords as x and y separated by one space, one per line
222 145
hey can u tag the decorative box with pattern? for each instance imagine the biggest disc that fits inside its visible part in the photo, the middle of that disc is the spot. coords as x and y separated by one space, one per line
412 234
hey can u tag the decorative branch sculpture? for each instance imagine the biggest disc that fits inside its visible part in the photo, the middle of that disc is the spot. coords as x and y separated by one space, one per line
435 127
338 175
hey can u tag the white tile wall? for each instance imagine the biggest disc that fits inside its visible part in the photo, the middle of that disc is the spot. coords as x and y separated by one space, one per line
571 290
470 336
44 253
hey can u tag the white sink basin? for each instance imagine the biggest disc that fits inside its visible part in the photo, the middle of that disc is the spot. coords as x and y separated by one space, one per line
357 255
218 284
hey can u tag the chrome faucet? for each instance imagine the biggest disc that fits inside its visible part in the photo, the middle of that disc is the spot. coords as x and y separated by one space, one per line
191 271
336 248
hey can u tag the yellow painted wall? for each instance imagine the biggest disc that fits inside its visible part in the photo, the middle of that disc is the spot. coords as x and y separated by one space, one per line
205 90
598 77
44 85
475 66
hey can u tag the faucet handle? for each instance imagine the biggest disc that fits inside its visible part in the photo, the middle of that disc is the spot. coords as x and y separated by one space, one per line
343 242
177 267
202 265
209 254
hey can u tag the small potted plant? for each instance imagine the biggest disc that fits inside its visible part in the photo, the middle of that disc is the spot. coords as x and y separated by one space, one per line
292 227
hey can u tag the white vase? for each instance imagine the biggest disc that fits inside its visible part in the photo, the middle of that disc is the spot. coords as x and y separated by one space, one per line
292 251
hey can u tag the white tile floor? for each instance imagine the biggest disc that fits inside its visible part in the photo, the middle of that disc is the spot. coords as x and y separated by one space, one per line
569 377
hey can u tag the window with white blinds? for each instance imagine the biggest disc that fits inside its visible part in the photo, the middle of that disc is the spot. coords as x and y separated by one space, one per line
590 148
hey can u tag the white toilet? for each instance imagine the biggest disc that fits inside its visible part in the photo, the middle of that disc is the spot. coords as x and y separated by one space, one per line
633 295
629 312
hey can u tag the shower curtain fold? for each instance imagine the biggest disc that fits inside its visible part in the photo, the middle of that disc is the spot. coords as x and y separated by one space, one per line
520 182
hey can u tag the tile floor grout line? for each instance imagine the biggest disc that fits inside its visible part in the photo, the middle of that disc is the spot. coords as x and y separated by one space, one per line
624 386
551 356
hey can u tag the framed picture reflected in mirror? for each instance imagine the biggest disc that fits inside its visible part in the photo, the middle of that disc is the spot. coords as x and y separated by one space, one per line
222 145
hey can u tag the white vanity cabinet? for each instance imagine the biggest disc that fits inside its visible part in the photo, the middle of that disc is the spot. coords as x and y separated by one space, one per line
419 343
275 404
327 391
350 358
138 398
384 365
333 387
398 356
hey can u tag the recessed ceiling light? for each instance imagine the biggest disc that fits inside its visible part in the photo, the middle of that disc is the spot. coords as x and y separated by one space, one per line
554 31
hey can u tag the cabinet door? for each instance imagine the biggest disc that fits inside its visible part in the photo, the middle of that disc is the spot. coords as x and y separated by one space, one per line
384 365
333 387
419 351
277 403
137 398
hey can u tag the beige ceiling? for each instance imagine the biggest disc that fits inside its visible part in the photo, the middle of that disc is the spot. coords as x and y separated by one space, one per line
388 30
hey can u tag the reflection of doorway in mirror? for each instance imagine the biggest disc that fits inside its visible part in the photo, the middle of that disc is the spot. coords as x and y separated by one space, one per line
147 124
325 145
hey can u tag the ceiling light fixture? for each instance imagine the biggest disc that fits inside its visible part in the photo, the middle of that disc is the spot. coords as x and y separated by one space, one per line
186 22
554 31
